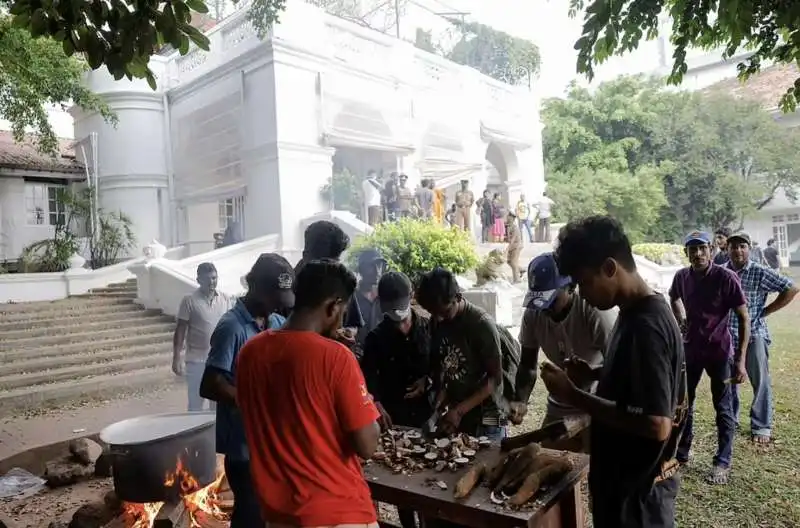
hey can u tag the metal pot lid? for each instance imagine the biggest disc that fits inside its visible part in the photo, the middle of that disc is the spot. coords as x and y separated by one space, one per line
155 427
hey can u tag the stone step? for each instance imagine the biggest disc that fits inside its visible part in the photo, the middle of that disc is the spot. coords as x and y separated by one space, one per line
67 312
97 346
79 302
103 293
76 372
51 327
93 387
84 336
38 364
120 287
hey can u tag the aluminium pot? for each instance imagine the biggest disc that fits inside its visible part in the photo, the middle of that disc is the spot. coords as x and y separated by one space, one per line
145 451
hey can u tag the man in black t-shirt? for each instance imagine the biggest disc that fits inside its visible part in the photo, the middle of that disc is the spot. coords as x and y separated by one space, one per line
639 408
771 255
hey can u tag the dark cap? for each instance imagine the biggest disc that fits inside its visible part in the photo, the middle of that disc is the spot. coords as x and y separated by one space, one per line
272 273
394 294
544 281
369 256
697 237
741 237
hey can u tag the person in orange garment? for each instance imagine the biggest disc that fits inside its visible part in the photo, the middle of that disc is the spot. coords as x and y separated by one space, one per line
307 415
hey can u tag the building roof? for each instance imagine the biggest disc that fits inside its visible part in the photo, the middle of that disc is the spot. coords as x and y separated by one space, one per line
25 156
766 87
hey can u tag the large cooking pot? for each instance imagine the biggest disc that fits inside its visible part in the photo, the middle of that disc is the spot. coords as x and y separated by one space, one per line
146 451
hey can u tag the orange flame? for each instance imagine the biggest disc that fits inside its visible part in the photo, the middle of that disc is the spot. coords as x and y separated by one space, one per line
196 499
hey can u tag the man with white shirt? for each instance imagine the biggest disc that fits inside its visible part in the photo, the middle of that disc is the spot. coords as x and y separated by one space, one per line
543 228
371 188
198 315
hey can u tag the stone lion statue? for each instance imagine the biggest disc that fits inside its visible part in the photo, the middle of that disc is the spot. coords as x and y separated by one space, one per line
492 268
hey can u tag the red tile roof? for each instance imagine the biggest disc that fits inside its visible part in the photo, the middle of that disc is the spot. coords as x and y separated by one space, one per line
26 156
765 87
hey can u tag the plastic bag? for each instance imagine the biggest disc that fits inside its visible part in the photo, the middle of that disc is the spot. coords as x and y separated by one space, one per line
19 483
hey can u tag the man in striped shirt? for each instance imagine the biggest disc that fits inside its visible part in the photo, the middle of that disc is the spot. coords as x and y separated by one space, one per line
758 281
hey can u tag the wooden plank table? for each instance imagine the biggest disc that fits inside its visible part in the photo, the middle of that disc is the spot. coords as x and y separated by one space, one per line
559 506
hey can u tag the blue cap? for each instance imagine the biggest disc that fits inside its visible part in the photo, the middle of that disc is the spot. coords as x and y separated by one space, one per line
697 237
544 281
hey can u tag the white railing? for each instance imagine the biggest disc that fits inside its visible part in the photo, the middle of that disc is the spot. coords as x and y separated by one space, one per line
362 50
162 283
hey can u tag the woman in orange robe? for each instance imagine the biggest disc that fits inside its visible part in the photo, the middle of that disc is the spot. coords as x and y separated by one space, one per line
438 206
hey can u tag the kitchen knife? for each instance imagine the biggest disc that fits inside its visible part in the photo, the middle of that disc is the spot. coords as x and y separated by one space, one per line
554 432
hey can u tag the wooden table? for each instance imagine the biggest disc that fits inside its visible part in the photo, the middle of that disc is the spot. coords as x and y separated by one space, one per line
560 506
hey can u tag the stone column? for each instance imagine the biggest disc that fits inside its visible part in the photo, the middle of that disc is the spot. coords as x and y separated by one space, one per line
131 157
283 164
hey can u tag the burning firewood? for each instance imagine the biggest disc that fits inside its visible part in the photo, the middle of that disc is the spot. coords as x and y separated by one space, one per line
173 516
206 520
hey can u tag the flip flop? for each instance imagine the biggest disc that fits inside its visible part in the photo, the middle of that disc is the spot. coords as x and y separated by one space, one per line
718 475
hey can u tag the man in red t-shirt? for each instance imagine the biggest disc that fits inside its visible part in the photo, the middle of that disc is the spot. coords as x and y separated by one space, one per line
307 414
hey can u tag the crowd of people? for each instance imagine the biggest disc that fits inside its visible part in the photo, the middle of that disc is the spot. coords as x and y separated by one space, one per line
309 365
389 199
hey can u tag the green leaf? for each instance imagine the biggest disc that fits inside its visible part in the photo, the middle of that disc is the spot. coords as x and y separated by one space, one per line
184 47
151 80
197 5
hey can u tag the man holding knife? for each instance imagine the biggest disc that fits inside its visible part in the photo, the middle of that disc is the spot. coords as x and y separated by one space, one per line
565 327
637 409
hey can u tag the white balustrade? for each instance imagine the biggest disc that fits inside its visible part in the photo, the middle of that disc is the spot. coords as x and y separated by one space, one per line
368 52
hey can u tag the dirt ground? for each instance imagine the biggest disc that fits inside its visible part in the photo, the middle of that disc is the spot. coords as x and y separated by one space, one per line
57 504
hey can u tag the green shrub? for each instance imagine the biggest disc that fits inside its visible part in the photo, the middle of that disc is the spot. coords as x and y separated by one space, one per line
417 246
663 254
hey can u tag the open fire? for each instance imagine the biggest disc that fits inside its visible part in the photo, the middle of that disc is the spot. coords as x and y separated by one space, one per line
200 507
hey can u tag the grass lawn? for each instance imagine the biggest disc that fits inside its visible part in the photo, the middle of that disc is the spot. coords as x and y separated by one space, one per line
764 490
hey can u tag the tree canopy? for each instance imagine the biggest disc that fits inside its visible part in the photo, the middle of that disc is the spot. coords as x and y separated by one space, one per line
33 74
664 162
495 53
768 28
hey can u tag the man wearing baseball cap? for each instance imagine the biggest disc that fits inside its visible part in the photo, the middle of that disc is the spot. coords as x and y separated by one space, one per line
702 297
363 307
396 362
571 333
758 281
269 292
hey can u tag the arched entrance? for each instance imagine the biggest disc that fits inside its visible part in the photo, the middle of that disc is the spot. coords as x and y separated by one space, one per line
502 167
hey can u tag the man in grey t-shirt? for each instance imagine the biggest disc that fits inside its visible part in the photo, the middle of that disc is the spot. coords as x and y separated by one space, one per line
566 328
424 198
198 315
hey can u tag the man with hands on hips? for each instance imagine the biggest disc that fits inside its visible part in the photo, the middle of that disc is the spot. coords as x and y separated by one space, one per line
638 409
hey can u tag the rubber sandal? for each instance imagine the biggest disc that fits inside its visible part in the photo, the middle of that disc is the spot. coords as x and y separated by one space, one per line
718 475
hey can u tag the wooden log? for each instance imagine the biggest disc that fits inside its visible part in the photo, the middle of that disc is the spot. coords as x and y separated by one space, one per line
172 516
117 522
206 520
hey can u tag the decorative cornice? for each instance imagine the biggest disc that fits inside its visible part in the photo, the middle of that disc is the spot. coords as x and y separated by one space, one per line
493 134
274 150
107 182
124 100
237 63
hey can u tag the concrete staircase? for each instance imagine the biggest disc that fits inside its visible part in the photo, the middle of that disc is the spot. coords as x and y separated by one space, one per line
85 347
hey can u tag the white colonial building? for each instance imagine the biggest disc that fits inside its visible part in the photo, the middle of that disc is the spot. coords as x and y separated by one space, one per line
250 131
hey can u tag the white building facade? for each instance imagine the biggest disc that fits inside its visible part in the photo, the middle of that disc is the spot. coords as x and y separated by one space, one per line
249 131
